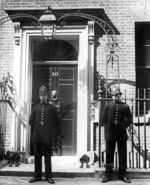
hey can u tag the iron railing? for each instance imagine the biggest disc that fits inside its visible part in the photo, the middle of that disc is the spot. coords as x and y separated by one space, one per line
2 133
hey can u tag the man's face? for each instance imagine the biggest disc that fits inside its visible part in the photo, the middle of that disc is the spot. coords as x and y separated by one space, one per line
43 98
54 96
118 97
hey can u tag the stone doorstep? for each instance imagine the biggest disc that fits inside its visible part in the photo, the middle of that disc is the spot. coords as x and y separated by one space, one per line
132 173
27 170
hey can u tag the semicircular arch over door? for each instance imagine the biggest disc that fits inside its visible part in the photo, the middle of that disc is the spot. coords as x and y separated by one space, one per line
54 50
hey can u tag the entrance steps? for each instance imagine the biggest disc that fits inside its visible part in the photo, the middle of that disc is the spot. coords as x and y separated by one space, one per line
69 167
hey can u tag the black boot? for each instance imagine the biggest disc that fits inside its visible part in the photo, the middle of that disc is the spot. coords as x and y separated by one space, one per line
123 176
125 179
108 173
106 178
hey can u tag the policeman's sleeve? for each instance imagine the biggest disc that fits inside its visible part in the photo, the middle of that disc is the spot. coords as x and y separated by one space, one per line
128 118
105 115
31 118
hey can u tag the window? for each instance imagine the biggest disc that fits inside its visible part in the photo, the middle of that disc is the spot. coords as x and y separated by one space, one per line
54 50
142 46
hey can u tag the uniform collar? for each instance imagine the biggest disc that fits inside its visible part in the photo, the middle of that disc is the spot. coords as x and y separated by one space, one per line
118 102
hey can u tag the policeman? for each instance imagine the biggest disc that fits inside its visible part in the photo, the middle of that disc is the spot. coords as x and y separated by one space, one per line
44 120
116 118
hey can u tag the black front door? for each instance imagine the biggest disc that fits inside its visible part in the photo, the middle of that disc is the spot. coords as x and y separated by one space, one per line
62 78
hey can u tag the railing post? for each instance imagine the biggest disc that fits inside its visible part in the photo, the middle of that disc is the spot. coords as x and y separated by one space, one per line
99 125
138 114
145 147
132 139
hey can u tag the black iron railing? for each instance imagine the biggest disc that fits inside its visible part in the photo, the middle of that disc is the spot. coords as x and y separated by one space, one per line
2 135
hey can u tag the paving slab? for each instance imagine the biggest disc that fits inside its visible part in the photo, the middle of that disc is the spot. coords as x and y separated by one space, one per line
68 181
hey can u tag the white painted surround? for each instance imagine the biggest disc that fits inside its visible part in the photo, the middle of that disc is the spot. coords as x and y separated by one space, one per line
23 80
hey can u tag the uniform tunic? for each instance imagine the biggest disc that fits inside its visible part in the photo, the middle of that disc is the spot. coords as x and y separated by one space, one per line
44 120
116 118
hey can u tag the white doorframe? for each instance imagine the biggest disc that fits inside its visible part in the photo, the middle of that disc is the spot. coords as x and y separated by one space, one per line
82 96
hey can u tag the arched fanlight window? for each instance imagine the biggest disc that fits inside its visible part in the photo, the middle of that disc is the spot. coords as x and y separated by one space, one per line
54 50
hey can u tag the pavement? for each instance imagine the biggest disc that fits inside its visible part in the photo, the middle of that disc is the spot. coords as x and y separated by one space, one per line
68 181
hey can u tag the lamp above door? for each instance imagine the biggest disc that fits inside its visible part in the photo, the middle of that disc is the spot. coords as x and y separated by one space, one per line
48 24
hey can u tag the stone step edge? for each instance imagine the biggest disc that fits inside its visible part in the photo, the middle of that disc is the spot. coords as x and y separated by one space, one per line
96 174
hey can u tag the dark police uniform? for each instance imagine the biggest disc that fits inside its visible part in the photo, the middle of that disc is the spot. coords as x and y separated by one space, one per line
44 120
116 118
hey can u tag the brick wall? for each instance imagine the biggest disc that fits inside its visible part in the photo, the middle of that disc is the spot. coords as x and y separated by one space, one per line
119 13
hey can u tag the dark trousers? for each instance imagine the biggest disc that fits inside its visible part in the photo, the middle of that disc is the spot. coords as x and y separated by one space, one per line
39 150
122 152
